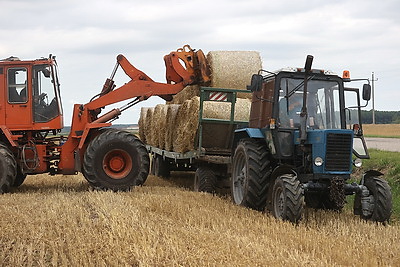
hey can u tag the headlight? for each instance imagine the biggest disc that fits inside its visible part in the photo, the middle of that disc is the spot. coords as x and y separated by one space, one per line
318 161
357 162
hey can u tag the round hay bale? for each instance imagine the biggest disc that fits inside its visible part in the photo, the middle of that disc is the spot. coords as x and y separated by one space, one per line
142 124
179 130
187 93
170 122
158 125
188 117
222 110
191 124
233 69
148 127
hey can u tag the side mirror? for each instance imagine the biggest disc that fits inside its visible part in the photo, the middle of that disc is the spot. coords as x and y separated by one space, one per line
366 93
256 83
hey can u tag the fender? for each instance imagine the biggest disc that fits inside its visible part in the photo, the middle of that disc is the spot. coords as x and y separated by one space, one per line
282 169
369 174
255 133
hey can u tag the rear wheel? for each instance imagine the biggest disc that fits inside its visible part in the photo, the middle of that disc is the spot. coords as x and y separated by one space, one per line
250 172
287 198
205 180
377 202
8 169
116 160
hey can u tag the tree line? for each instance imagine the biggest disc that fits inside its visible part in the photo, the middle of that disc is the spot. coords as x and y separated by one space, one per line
381 117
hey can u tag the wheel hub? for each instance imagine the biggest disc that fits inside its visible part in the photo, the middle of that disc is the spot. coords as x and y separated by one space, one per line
117 164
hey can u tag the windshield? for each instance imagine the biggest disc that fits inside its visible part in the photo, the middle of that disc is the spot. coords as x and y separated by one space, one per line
323 106
45 94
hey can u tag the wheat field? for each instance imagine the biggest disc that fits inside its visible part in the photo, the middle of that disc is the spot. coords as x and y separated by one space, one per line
383 130
60 221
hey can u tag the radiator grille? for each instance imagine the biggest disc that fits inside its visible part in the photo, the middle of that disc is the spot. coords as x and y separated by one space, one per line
338 152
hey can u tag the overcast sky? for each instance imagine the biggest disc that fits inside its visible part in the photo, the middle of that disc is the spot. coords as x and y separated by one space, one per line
362 36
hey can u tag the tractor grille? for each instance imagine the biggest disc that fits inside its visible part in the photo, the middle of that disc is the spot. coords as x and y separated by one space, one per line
338 152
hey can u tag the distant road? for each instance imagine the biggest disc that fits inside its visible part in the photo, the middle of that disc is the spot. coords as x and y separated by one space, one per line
388 144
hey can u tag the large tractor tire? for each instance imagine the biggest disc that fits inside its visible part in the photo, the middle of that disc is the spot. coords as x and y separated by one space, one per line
250 172
287 198
160 167
8 169
380 199
205 180
116 160
19 178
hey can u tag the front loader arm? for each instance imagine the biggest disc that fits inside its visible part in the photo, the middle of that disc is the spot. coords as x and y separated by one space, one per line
142 89
183 67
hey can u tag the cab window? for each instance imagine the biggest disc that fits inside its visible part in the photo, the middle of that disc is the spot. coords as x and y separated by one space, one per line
17 85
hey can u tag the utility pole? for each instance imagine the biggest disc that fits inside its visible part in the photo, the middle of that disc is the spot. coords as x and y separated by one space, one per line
373 97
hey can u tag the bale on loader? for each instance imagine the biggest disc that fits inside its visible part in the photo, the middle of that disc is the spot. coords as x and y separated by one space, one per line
229 69
233 69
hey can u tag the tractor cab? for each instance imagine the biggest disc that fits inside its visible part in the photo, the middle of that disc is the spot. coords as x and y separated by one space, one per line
31 95
310 113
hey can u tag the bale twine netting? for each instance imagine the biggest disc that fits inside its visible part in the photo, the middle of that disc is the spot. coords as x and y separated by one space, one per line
142 124
172 111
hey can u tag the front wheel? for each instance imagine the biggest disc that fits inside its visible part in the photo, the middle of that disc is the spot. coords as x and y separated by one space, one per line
287 198
8 169
375 203
116 160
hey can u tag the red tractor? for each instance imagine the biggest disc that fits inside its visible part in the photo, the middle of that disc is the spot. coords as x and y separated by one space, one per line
31 116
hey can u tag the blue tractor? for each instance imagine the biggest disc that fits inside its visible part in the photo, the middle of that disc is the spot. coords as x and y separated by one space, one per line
304 137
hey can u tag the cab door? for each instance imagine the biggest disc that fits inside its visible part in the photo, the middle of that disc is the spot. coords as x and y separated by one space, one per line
18 108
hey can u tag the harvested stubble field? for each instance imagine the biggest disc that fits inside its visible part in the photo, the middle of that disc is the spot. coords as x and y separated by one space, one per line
61 221
382 130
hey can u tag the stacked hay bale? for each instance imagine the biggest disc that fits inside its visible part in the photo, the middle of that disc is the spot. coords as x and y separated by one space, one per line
148 126
170 123
174 126
186 121
142 124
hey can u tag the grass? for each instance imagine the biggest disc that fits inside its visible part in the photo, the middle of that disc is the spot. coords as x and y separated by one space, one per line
53 221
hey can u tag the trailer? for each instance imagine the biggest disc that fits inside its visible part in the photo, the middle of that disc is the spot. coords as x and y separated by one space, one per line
211 157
